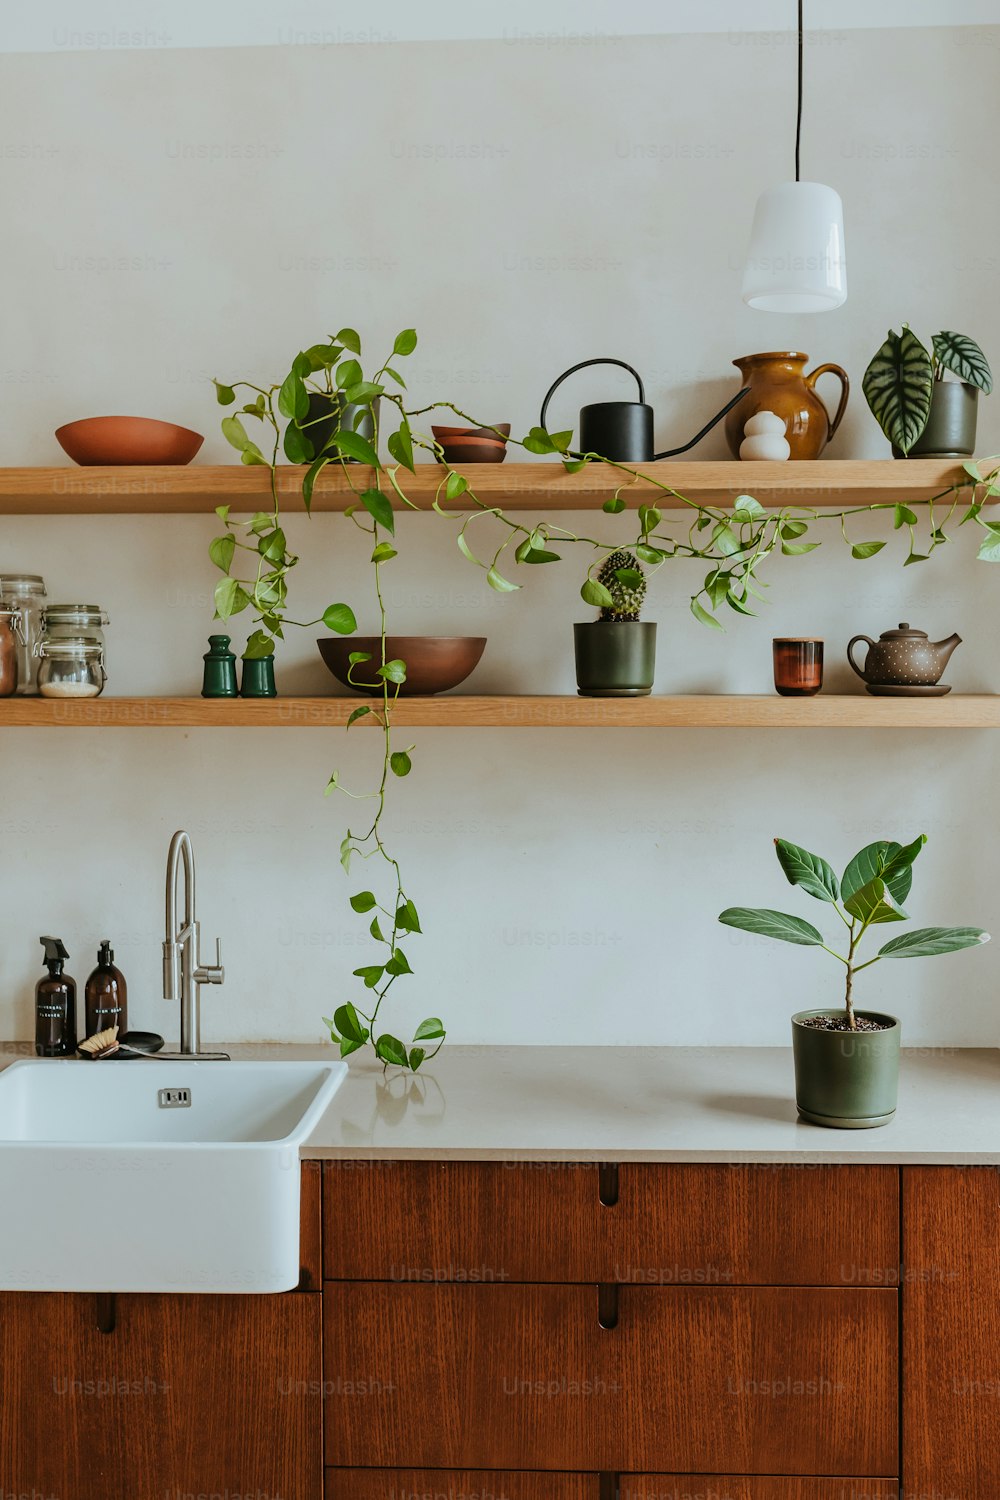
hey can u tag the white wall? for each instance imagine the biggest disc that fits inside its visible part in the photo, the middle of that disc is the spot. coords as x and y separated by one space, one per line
174 214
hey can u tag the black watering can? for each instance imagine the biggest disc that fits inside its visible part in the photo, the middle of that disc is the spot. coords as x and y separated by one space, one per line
623 430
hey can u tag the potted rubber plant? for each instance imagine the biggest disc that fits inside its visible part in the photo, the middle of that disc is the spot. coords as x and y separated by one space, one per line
923 414
616 653
847 1061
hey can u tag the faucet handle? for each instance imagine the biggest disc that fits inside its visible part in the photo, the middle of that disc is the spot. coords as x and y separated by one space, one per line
212 973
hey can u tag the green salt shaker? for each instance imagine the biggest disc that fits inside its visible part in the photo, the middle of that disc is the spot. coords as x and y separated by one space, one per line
220 669
258 677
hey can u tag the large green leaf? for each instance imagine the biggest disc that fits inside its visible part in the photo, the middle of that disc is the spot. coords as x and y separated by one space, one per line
809 871
898 385
881 860
772 924
874 903
928 942
964 358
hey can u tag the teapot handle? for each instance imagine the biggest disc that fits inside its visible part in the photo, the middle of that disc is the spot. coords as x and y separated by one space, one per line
850 648
582 366
845 391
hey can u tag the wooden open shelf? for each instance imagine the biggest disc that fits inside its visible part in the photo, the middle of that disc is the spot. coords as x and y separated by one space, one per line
457 711
194 490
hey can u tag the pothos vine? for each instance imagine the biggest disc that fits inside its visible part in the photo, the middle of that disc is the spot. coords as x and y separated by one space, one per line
327 381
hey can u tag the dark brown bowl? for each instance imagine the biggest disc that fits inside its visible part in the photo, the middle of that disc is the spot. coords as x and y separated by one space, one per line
128 440
473 451
494 433
434 663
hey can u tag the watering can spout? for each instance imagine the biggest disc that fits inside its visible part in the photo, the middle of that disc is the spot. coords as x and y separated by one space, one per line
672 452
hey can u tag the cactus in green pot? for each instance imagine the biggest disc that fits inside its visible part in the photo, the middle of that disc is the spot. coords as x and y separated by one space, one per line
623 578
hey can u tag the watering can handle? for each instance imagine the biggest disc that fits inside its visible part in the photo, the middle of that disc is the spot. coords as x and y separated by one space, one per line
582 366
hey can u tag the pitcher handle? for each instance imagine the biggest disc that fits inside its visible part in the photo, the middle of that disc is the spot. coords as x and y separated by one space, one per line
850 648
582 366
845 390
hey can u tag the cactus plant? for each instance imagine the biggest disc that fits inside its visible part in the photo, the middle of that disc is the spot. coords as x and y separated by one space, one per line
622 576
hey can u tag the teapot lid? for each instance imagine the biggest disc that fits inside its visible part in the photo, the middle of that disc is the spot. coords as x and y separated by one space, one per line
903 632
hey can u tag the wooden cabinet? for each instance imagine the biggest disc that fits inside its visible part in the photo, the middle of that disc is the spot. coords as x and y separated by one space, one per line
728 1487
951 1332
462 1484
187 1395
670 1225
749 1380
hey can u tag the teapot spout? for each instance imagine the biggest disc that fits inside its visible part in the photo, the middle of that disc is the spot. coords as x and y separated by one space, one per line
946 647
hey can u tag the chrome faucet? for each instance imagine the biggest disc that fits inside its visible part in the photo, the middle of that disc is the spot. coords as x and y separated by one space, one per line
183 971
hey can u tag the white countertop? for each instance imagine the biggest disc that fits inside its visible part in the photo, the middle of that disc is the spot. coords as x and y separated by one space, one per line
651 1104
727 1104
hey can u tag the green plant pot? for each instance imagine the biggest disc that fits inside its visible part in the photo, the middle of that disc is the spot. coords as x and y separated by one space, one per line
846 1079
327 414
615 658
951 426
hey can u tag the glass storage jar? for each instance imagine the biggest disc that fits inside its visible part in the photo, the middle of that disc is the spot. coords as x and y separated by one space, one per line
71 667
26 590
10 647
74 621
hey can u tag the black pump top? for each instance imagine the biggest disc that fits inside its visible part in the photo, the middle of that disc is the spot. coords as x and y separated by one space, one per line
106 955
55 954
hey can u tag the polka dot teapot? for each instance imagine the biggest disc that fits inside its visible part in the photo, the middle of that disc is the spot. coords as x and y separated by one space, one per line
903 657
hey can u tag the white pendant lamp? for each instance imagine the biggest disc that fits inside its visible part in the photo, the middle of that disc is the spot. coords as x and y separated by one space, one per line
796 261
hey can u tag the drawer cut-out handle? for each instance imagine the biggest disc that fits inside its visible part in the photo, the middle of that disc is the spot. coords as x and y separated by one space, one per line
607 1305
107 1312
607 1183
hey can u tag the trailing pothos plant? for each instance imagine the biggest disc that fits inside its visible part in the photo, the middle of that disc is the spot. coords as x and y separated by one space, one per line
288 421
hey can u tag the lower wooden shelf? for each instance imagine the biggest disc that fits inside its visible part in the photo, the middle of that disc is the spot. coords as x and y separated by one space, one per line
458 711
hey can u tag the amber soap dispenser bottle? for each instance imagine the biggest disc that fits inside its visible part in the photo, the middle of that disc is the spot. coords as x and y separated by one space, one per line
106 994
55 1005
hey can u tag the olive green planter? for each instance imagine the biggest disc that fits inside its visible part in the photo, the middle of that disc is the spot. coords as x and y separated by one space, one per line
615 658
847 1079
328 414
951 426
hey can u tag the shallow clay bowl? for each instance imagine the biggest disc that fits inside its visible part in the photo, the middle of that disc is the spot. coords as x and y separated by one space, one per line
434 663
128 440
446 434
473 451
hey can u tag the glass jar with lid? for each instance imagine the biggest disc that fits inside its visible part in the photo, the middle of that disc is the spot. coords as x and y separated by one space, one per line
74 621
10 647
71 667
26 591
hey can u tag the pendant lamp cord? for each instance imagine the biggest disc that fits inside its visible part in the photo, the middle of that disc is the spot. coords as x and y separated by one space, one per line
798 110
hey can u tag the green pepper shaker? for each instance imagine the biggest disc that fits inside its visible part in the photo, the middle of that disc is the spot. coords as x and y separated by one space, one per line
258 677
220 669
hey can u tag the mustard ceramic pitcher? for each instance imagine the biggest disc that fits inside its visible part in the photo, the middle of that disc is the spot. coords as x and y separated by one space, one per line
778 383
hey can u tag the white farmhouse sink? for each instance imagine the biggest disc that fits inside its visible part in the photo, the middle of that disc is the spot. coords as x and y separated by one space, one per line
155 1176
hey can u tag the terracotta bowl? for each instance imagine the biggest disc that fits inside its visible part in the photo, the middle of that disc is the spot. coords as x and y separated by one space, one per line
445 434
128 440
473 450
434 663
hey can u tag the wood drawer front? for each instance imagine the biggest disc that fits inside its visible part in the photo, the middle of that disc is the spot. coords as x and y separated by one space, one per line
728 1487
744 1380
951 1332
673 1224
188 1395
459 1484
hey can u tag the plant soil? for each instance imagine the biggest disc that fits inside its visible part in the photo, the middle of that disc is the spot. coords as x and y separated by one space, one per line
841 1023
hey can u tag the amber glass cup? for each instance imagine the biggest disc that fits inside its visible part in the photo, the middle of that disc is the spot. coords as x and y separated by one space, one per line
798 666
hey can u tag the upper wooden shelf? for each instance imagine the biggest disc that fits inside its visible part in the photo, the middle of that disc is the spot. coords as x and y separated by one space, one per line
464 711
195 490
